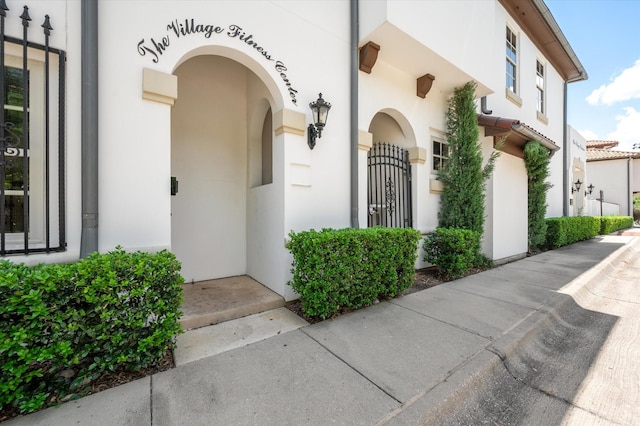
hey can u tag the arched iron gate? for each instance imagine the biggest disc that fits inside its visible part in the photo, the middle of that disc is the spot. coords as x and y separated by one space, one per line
389 187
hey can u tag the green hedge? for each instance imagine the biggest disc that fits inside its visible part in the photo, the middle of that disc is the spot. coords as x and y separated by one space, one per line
455 251
609 224
350 268
570 229
62 326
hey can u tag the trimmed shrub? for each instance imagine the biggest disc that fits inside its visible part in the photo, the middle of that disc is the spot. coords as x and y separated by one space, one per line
609 224
350 268
62 326
566 230
454 251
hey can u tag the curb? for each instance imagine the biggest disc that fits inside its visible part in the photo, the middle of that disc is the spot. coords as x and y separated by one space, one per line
433 405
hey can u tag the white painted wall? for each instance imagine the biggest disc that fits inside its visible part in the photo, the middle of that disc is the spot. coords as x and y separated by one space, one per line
576 151
455 41
613 178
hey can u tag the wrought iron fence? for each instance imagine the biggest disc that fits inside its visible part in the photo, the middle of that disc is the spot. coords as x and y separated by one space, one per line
389 192
32 134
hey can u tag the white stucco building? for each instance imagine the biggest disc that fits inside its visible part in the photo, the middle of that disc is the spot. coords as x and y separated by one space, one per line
216 95
616 174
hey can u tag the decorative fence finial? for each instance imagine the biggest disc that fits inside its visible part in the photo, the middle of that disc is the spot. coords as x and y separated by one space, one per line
25 17
3 8
47 25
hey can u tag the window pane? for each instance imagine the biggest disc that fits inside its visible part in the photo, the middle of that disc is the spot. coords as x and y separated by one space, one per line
13 179
436 148
15 117
13 88
13 213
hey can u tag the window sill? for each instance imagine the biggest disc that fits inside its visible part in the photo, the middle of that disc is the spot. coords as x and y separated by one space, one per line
513 97
435 186
543 118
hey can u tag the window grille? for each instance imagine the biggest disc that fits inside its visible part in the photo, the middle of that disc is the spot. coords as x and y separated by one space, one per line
32 156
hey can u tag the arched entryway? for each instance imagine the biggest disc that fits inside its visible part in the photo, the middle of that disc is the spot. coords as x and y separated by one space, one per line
216 161
389 189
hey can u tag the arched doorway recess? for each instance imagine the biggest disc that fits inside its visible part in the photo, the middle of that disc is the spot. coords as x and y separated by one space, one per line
213 160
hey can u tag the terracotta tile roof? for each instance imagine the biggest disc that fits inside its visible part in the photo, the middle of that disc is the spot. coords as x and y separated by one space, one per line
517 134
606 154
601 144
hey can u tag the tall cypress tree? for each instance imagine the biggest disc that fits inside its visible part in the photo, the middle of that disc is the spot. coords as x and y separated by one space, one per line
463 176
536 160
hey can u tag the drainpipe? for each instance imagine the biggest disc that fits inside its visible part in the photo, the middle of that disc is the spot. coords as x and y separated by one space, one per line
629 193
355 19
565 156
483 106
89 101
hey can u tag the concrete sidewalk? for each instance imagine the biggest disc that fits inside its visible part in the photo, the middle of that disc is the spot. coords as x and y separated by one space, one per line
393 363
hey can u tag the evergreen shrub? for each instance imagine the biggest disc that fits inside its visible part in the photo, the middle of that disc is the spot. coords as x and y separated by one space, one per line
609 224
348 269
536 160
454 251
570 229
63 326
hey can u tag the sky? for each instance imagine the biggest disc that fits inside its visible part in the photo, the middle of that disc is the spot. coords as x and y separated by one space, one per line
605 35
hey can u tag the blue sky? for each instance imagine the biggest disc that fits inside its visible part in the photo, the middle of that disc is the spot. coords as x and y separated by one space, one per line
605 35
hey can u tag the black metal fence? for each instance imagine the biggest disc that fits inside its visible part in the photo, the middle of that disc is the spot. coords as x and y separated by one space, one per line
389 194
32 134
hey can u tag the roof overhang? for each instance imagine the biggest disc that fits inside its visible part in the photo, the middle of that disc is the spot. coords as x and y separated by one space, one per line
512 135
535 18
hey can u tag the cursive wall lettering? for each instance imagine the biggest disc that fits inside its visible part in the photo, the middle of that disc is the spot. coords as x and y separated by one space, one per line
189 27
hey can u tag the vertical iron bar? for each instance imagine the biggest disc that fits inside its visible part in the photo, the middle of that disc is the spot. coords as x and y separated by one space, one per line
409 189
397 185
369 186
376 177
62 239
383 185
25 127
3 13
375 181
47 31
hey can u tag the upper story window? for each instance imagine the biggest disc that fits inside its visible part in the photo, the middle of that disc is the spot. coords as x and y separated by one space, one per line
440 154
512 61
540 87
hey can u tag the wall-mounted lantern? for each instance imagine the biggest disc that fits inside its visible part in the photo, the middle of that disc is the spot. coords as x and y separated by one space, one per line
319 110
590 190
576 186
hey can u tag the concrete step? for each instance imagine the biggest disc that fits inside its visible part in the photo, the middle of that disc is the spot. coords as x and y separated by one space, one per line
208 341
215 301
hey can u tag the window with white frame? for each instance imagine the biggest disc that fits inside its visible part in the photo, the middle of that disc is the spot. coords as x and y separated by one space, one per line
540 87
512 61
440 154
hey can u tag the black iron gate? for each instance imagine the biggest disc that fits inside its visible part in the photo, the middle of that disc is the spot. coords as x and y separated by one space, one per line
389 187
32 158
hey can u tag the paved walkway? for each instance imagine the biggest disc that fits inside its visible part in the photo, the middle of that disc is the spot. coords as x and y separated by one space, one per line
398 362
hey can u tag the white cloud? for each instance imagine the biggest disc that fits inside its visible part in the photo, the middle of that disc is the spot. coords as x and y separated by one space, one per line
589 135
624 86
627 129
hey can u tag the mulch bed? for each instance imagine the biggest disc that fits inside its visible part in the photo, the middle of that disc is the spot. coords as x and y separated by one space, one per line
107 381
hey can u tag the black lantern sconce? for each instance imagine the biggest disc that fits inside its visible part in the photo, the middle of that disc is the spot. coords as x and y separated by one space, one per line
319 110
590 190
576 186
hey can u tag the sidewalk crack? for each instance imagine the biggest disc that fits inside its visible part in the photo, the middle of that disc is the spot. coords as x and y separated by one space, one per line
352 367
